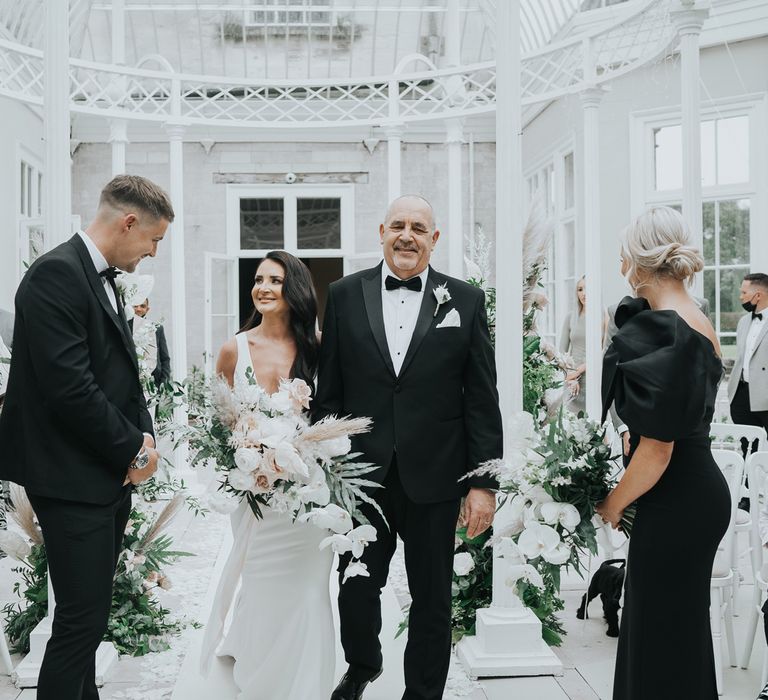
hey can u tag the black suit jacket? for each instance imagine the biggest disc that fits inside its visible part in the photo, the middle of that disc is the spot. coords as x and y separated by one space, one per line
162 372
441 413
74 410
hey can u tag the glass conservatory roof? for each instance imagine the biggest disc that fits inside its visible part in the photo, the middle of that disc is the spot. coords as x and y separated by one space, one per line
284 38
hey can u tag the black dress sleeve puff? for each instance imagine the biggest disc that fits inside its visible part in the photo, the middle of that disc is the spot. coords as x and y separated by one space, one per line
657 372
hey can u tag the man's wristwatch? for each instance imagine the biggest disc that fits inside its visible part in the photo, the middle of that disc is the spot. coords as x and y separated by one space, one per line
141 460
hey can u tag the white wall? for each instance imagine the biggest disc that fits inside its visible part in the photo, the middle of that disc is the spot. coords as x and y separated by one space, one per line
22 133
723 75
424 171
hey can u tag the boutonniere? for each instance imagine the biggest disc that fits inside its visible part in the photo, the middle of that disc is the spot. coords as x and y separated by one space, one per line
442 295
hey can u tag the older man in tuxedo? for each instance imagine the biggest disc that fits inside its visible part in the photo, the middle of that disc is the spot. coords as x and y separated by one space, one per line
748 383
410 347
75 430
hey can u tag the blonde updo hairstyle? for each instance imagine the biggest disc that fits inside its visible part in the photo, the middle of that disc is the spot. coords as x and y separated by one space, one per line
657 244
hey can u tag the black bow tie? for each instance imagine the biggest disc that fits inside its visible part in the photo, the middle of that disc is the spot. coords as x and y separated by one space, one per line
110 273
756 315
414 284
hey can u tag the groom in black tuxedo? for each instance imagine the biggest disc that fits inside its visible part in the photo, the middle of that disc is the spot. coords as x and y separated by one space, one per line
75 431
410 348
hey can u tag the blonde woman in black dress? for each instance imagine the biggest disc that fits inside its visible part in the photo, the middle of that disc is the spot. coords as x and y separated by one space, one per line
662 369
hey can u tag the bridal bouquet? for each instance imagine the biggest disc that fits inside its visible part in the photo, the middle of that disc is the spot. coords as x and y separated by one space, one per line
270 455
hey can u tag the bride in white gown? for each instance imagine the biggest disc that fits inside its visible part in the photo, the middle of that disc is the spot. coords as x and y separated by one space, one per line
281 634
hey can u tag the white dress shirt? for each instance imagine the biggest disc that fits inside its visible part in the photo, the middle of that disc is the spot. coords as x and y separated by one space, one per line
5 354
755 327
401 311
101 264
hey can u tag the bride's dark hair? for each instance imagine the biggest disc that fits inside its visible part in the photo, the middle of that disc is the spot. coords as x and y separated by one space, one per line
299 294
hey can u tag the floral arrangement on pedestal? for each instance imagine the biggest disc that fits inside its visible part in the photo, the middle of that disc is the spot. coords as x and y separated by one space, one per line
138 622
270 455
560 467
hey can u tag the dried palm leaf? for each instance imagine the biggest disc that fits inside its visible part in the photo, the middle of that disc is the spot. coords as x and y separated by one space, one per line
24 515
164 519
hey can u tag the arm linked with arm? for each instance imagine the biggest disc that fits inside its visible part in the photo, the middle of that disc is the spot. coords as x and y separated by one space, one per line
329 398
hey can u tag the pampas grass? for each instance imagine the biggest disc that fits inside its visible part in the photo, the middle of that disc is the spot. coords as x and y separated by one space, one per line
24 515
163 520
331 428
536 239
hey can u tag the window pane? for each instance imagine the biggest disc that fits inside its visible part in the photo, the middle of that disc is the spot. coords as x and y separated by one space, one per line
709 294
734 232
23 188
318 223
708 220
570 192
730 306
261 224
732 150
668 158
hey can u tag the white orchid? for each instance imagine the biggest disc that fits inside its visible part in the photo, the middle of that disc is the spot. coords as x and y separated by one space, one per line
330 517
558 556
355 568
316 491
521 429
14 545
563 514
537 539
354 541
463 563
509 551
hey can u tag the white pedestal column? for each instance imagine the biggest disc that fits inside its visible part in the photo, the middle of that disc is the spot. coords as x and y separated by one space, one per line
394 173
179 296
456 243
689 21
508 640
590 101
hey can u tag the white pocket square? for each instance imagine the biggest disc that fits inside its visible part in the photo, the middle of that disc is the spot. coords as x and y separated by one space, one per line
451 320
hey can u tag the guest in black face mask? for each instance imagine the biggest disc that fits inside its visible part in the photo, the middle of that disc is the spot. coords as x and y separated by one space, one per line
748 383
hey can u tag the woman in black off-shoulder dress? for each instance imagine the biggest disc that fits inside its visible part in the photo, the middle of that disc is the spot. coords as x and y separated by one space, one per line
662 370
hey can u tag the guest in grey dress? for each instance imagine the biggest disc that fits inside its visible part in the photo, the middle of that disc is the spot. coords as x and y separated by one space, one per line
573 341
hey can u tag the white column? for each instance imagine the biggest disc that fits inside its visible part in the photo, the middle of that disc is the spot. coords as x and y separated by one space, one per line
508 640
689 21
456 241
118 138
394 177
590 102
58 163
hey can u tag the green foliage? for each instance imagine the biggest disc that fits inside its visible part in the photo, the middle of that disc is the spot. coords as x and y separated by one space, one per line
138 623
474 590
540 373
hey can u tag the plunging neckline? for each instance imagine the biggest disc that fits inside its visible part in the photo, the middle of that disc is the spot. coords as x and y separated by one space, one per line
245 346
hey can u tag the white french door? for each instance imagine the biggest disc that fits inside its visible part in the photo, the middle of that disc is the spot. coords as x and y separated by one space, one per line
221 315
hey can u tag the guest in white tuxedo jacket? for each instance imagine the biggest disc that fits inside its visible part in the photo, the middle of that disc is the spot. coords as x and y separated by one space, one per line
748 383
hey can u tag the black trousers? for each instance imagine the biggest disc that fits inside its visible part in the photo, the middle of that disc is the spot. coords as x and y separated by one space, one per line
428 532
742 414
83 542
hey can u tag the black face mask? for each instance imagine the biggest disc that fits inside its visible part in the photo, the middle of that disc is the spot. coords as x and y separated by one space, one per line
749 306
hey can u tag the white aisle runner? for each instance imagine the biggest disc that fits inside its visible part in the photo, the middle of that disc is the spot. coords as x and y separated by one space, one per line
191 685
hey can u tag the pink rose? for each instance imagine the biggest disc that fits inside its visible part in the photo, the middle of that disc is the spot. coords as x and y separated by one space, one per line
300 394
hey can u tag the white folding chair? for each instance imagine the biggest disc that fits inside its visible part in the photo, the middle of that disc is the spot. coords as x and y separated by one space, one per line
728 436
731 465
757 474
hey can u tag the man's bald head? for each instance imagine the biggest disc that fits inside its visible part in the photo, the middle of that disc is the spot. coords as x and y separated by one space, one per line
408 235
409 200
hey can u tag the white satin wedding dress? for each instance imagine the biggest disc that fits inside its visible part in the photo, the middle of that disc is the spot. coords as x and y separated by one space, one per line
281 632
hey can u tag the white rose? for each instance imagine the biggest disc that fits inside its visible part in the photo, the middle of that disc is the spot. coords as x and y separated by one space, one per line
463 563
240 480
14 545
521 428
247 459
280 402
